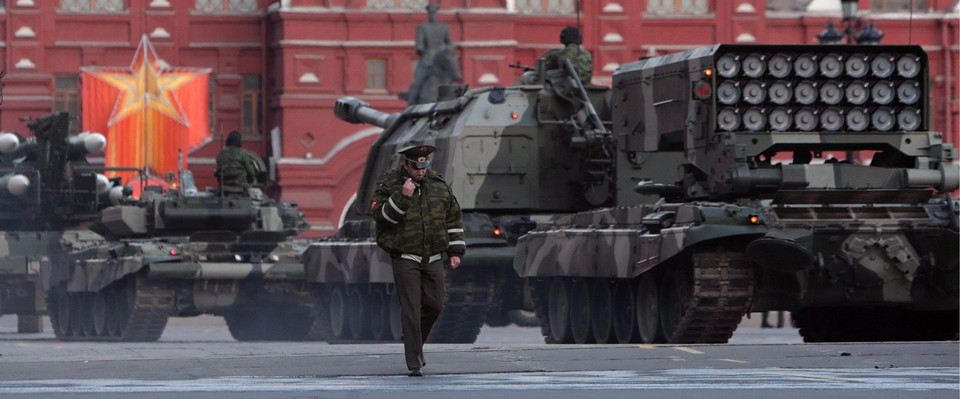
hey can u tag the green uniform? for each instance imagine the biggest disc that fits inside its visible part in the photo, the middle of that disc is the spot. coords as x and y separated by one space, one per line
415 231
580 58
427 224
236 168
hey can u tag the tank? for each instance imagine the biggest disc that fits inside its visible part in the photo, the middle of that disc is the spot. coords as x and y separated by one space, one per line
47 190
541 147
179 253
799 178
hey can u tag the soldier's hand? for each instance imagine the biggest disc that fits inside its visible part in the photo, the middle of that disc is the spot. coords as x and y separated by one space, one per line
408 187
454 262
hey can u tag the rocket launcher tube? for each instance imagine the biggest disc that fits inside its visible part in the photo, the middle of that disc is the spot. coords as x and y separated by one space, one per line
15 184
9 143
86 143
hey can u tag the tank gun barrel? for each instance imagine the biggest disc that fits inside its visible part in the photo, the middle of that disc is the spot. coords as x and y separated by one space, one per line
356 111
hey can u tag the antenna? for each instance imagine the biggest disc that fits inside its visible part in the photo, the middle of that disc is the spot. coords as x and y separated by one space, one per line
579 28
910 26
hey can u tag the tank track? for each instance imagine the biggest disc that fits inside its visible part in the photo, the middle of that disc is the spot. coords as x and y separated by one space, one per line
142 320
469 295
722 293
319 329
541 309
152 306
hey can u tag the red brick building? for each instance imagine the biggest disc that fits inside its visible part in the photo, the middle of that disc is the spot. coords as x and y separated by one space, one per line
278 66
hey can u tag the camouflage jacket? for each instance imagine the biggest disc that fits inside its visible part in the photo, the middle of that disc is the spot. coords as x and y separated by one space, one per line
580 58
426 224
236 169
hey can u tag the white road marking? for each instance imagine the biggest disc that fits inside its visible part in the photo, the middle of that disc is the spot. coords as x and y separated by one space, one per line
897 379
688 350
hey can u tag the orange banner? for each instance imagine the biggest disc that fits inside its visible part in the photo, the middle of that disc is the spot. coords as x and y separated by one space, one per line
147 112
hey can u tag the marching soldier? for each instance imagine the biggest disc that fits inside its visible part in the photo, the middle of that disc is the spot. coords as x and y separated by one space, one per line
418 221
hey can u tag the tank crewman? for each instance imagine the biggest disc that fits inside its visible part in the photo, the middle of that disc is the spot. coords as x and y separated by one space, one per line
418 220
573 50
236 169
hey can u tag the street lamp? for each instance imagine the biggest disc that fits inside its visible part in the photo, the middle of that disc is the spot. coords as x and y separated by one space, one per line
869 35
849 8
830 35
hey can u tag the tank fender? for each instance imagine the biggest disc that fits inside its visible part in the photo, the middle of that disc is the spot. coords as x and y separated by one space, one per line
786 250
347 262
659 248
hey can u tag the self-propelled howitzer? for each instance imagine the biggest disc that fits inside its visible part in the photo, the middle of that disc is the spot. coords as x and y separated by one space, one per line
807 179
508 152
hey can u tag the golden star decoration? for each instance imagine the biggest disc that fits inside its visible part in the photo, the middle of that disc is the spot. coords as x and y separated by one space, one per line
148 85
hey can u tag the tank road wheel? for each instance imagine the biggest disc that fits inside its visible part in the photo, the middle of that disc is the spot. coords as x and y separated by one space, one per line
648 310
396 323
74 304
379 315
318 328
559 308
86 314
601 303
624 319
113 306
60 315
337 303
100 314
674 299
580 314
358 308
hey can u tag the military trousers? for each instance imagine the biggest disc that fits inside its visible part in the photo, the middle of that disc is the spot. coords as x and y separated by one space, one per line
420 289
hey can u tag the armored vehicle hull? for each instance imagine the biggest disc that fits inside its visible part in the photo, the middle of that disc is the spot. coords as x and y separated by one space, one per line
759 215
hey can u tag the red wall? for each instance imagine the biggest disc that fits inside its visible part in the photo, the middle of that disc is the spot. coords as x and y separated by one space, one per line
313 51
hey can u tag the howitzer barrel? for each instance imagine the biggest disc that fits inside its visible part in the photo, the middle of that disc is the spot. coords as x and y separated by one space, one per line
355 111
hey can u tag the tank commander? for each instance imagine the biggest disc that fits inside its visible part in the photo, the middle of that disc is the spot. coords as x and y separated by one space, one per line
236 168
573 50
418 221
